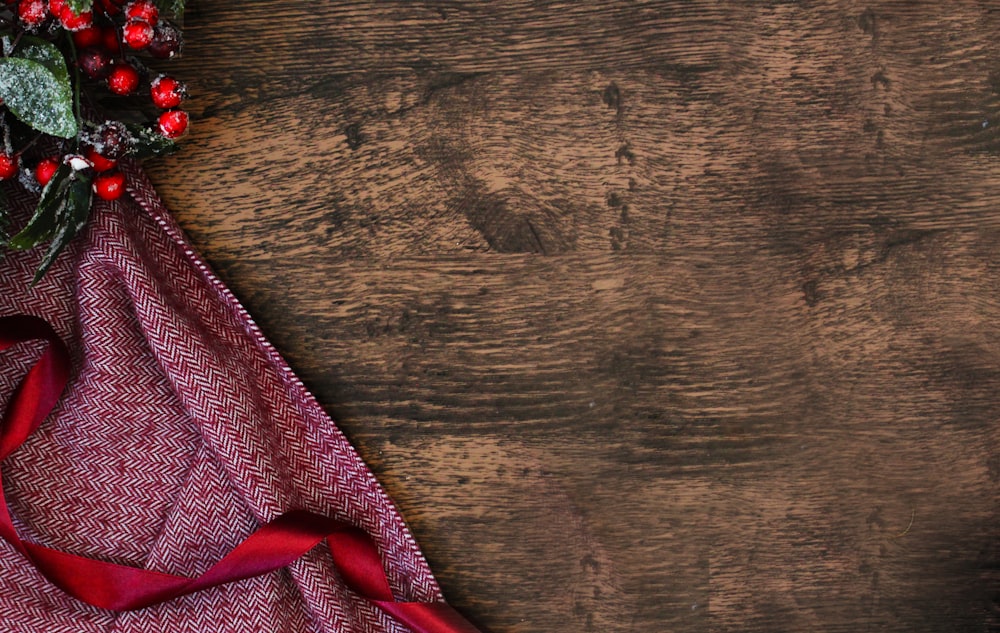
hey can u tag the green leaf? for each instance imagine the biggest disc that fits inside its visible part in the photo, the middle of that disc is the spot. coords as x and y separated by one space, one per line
61 213
45 53
44 223
172 8
147 143
79 6
72 217
36 96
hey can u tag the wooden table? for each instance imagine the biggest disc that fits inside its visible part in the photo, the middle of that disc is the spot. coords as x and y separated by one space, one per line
651 316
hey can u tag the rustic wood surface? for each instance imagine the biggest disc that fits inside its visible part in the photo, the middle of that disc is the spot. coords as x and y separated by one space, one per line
652 316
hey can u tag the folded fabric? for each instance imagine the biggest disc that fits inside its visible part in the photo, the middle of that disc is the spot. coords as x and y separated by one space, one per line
180 432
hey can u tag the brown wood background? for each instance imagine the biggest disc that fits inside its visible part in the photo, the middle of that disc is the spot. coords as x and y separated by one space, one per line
652 316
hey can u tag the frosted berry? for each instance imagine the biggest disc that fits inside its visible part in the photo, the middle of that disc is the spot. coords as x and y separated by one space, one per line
95 63
32 12
89 37
124 79
8 166
173 123
111 139
167 92
109 185
73 21
142 10
56 6
166 42
137 34
100 163
45 169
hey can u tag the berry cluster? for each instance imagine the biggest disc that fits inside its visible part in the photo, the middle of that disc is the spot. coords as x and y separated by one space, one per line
63 62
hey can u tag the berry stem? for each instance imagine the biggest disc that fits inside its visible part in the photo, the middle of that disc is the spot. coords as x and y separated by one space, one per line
29 144
76 92
7 145
17 40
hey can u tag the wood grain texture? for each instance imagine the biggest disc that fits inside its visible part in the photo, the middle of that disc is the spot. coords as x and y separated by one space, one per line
652 316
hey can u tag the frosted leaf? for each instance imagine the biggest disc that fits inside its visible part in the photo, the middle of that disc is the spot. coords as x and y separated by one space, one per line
46 54
61 213
146 143
78 163
44 223
173 8
74 209
36 96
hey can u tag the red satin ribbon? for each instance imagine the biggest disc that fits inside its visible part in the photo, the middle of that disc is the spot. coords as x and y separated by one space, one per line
273 546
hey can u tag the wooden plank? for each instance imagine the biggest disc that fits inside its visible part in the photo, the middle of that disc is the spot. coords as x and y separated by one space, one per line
651 316
302 40
778 141
725 444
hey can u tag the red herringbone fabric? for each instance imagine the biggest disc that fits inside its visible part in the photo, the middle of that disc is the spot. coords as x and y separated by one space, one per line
181 431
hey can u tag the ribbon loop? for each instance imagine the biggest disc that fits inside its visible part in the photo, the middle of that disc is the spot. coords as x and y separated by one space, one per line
273 546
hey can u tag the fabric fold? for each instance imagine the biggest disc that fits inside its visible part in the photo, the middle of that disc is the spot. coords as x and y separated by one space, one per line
170 375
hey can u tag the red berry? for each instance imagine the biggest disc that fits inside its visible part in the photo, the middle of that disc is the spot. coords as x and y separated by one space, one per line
73 21
142 10
94 63
109 35
167 92
100 163
32 12
109 185
173 123
45 169
137 34
167 42
124 79
56 6
89 37
8 166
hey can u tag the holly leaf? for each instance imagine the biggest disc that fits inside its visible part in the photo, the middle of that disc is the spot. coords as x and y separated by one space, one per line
172 8
62 212
45 53
37 96
79 6
43 224
147 143
71 218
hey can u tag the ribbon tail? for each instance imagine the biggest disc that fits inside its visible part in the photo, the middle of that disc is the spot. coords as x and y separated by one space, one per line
275 545
428 617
